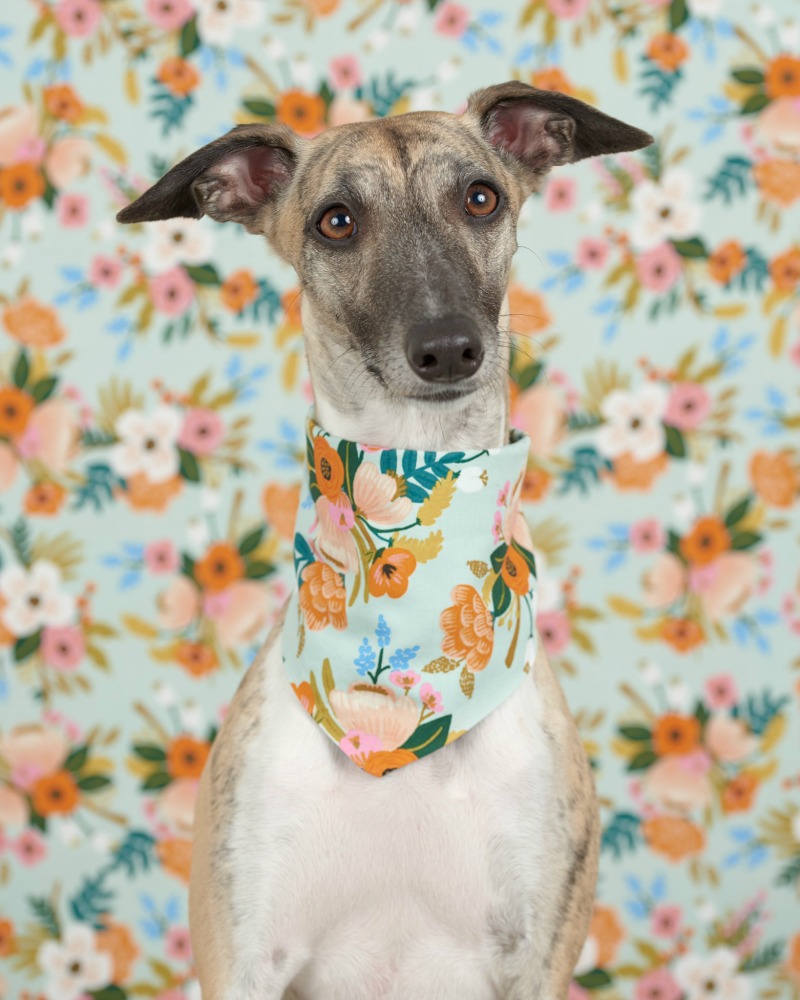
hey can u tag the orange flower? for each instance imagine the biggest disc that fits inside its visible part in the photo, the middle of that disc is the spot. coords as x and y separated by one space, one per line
778 180
33 324
186 757
727 261
303 112
280 507
707 540
305 695
527 311
44 498
219 568
21 183
673 837
390 573
62 102
16 407
468 628
322 597
328 467
379 762
290 303
178 76
8 943
196 659
674 733
515 572
607 932
552 78
142 494
775 477
629 474
668 51
682 634
782 78
536 484
738 794
238 290
323 8
785 270
175 855
793 958
117 941
55 793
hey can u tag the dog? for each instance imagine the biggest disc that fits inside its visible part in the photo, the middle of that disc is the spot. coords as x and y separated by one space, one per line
402 232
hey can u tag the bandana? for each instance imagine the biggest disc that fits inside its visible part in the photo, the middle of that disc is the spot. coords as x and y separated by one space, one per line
413 616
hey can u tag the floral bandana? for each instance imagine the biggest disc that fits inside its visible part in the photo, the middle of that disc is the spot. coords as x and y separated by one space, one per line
413 616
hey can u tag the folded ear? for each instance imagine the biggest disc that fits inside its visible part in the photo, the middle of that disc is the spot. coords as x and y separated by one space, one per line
230 179
542 128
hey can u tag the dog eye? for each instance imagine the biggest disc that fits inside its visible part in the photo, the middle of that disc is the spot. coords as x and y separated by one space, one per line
337 223
481 200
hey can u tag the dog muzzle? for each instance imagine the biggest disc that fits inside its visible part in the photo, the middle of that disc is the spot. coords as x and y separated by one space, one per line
413 616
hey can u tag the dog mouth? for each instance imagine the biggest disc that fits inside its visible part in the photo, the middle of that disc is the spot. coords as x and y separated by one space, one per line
450 395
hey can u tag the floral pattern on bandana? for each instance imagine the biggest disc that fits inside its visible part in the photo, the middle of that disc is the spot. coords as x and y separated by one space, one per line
415 575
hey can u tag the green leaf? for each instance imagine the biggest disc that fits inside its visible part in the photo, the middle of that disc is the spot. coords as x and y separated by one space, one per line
737 512
156 780
674 543
429 736
203 274
93 782
258 570
594 980
109 993
678 14
21 370
676 443
27 646
190 39
190 467
187 566
636 733
148 751
76 759
745 540
251 541
691 248
501 597
642 760
44 388
256 106
754 104
748 74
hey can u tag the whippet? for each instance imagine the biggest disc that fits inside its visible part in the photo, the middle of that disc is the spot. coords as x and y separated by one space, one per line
402 232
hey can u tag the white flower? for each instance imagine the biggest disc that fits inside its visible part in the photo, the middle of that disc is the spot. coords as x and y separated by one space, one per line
471 479
302 70
707 912
448 70
102 842
193 718
712 976
33 598
664 210
696 473
594 211
217 20
73 965
651 673
705 8
633 423
420 99
210 500
104 230
763 15
587 960
684 512
12 252
377 40
164 695
33 223
407 20
176 241
197 534
192 991
274 49
679 697
147 443
68 831
789 35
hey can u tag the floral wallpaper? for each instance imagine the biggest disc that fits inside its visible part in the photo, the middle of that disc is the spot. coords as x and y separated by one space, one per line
152 396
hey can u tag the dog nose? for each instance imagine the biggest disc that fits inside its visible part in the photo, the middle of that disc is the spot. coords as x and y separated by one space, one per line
445 350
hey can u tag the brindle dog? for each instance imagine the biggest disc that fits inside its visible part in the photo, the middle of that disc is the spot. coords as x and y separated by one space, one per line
306 879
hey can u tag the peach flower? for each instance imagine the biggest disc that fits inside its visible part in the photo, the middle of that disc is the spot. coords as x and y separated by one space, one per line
33 323
377 711
18 127
779 124
528 312
733 583
607 932
176 803
178 604
539 411
676 785
175 854
117 941
54 429
8 467
345 110
728 739
674 837
33 749
13 808
333 538
67 160
247 613
665 582
280 505
375 495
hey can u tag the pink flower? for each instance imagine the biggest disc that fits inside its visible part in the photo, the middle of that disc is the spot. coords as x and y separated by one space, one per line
560 194
357 744
246 614
78 18
591 254
202 431
554 628
666 921
178 604
567 9
452 20
72 210
794 353
63 647
577 992
405 679
702 578
345 73
216 604
647 535
697 762
161 557
658 984
172 292
105 271
658 269
688 406
665 582
432 700
67 160
178 944
32 149
29 848
169 15
721 691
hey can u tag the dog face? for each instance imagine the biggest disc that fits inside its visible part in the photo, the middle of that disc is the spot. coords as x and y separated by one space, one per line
401 230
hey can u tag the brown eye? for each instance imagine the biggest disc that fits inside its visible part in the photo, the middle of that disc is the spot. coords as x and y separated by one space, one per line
481 200
337 223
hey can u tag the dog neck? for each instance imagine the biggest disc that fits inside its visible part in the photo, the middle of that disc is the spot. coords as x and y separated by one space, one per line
350 404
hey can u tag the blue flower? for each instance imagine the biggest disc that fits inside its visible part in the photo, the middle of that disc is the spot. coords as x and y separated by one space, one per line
401 658
383 632
365 660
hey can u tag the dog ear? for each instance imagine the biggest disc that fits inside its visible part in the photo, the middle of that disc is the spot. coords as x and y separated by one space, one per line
543 128
230 179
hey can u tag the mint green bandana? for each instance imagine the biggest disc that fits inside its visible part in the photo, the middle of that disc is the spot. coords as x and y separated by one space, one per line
413 616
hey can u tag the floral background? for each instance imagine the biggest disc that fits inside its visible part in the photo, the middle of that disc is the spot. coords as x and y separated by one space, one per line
152 393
